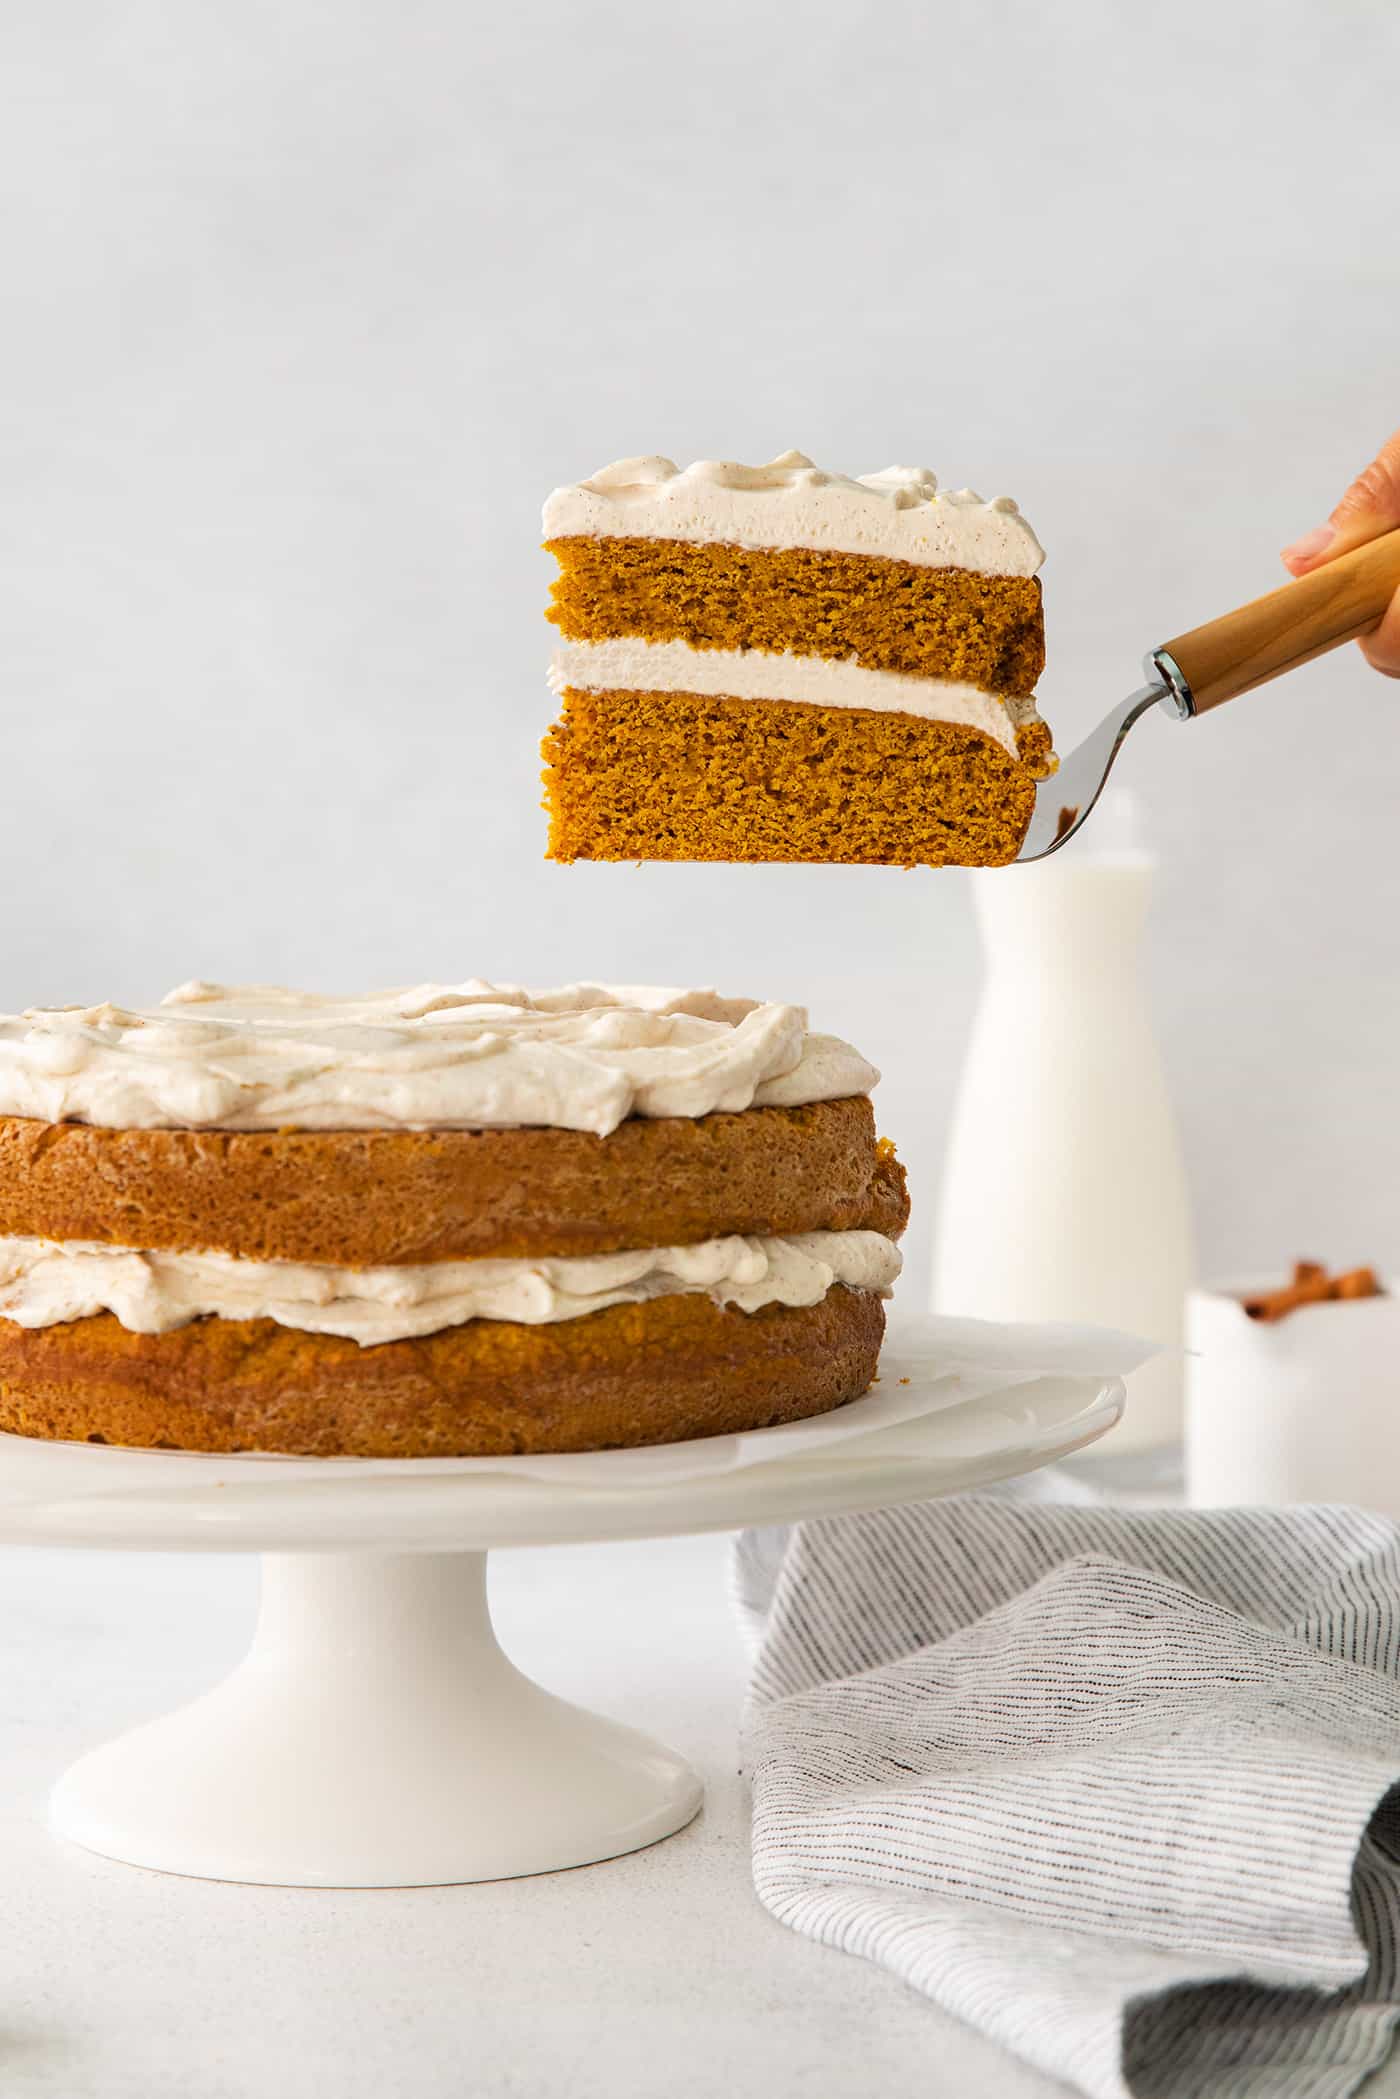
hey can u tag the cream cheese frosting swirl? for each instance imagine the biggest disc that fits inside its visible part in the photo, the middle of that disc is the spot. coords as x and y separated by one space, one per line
43 1283
900 514
459 1056
628 663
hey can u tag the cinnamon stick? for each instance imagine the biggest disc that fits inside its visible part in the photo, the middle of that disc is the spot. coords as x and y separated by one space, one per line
1311 1285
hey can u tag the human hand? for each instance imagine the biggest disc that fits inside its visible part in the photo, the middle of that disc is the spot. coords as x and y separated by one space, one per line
1370 506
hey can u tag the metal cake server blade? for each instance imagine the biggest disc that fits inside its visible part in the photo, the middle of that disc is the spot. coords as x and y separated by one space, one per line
1208 665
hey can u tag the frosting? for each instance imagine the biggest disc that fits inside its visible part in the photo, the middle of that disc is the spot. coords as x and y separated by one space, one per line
899 515
43 1282
462 1056
633 665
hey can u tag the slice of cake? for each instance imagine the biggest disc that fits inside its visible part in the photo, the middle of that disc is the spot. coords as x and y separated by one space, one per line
439 1222
776 663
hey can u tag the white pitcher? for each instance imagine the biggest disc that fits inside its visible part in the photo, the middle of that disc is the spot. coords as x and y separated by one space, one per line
1064 1196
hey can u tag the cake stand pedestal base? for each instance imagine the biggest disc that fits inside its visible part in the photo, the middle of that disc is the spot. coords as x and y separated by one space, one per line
374 1736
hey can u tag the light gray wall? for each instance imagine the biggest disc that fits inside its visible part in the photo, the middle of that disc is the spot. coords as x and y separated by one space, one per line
306 303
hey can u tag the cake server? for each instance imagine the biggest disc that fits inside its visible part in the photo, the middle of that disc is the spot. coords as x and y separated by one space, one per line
1208 665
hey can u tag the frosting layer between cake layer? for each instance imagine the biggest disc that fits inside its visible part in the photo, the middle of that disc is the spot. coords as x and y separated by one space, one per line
44 1283
631 664
899 514
465 1056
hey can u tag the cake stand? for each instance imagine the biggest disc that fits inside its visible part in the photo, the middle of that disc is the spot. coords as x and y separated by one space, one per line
375 1735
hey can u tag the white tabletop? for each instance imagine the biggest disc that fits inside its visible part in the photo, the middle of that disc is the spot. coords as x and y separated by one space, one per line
659 1972
575 1984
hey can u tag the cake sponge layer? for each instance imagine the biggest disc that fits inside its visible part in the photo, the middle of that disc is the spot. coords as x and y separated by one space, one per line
675 776
660 1372
896 616
369 1198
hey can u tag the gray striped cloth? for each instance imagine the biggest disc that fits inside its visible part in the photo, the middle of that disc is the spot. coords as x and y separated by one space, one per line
1112 1786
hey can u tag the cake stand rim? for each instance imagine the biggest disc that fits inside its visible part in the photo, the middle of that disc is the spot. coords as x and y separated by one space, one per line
256 1511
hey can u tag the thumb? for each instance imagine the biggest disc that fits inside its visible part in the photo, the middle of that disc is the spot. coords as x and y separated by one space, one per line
1370 506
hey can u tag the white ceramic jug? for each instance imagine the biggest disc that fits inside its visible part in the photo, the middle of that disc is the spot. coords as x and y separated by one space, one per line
1064 1196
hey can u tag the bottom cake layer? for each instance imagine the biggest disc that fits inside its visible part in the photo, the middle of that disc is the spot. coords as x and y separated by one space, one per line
677 776
659 1372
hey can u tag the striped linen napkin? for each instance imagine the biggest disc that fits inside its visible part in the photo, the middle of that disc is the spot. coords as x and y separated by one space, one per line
1114 1787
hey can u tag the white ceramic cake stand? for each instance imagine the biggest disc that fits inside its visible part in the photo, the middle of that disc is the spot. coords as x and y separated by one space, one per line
375 1735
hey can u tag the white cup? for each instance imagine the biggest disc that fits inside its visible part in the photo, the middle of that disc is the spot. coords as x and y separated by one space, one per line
1305 1408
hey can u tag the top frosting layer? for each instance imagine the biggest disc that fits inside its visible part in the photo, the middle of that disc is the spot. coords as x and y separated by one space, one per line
471 1056
900 514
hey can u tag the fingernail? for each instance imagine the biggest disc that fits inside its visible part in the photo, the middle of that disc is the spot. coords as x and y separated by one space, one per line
1310 545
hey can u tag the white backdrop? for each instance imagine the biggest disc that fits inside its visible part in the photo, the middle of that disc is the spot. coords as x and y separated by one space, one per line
306 304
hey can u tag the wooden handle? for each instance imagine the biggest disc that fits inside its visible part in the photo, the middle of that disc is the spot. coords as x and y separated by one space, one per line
1336 603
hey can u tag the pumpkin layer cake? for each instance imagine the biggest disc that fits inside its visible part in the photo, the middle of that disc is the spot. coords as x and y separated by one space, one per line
776 663
447 1221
